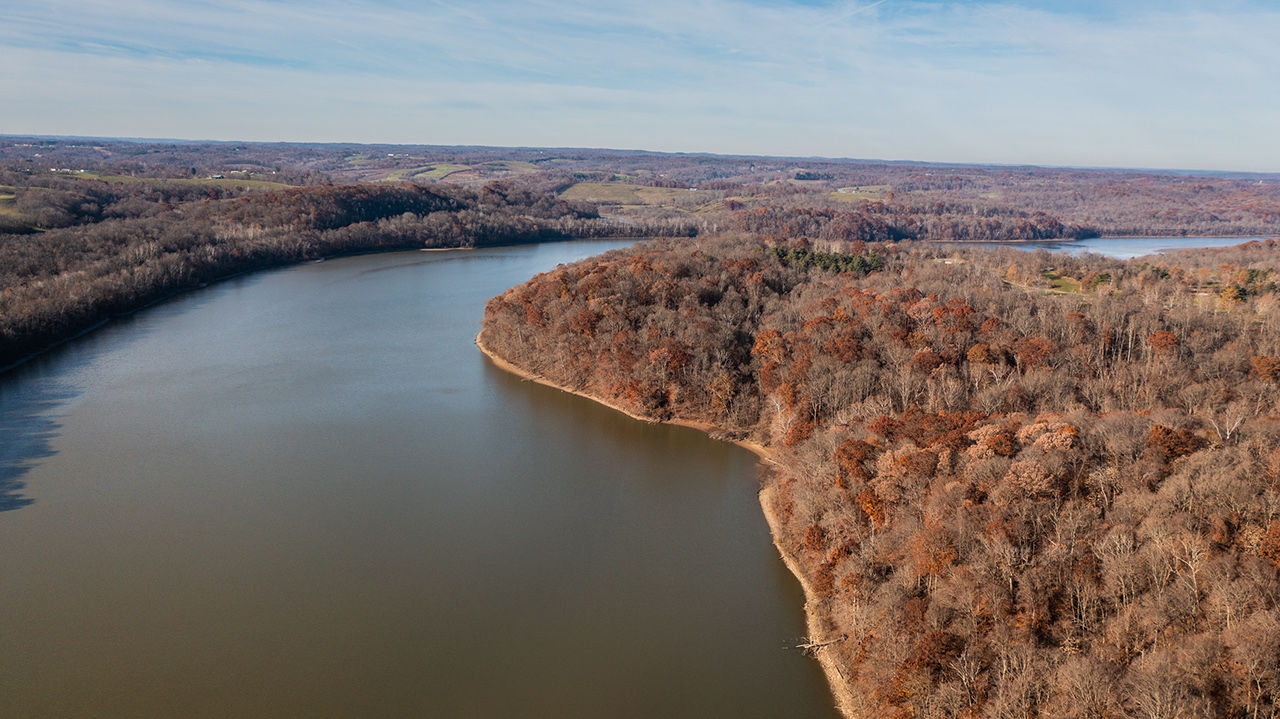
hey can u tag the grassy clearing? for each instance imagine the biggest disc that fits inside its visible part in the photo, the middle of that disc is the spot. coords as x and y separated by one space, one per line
1061 283
222 182
7 200
512 165
403 174
617 194
667 195
861 192
622 194
436 172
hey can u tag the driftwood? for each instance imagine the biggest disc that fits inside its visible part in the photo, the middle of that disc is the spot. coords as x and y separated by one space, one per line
812 646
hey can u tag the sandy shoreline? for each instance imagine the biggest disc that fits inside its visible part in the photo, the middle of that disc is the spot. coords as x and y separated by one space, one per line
813 622
760 450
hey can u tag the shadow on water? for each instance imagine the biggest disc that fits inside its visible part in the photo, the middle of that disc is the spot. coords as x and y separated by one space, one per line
30 396
32 392
27 428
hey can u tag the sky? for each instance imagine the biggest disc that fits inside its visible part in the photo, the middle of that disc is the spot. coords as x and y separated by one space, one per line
1183 84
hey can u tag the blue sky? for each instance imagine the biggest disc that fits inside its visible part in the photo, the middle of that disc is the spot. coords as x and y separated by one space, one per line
1176 84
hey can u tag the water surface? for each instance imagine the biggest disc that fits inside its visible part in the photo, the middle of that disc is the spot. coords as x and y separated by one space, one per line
1122 248
305 493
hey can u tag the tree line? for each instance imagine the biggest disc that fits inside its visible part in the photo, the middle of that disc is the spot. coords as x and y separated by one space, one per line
111 248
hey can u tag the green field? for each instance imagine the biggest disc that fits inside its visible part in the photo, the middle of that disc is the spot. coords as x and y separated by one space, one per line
6 200
604 192
425 172
620 194
439 171
1061 283
403 174
223 182
512 165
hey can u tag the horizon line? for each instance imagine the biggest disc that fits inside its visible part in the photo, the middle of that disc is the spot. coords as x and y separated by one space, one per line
820 158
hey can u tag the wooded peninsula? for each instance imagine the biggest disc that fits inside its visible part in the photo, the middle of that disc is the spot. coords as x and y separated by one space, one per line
1004 498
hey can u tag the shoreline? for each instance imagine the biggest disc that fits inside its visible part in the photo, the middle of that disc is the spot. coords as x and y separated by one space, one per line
758 449
813 619
173 293
180 291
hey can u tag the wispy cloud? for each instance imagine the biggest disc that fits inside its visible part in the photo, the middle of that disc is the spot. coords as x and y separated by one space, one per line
1183 84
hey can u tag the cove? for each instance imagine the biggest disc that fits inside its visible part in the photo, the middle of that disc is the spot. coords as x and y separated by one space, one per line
306 493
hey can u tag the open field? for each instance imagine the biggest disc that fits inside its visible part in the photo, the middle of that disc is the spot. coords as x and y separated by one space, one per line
604 192
438 172
424 172
220 182
861 192
635 195
401 175
6 201
512 165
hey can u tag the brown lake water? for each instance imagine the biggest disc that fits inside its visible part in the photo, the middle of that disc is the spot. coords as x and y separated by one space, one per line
305 493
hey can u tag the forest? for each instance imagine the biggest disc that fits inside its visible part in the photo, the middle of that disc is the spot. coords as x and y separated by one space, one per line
1015 484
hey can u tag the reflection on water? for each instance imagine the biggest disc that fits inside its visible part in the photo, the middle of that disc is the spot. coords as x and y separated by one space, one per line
1121 248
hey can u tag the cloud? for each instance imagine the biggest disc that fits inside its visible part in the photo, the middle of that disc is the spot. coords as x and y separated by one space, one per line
1181 84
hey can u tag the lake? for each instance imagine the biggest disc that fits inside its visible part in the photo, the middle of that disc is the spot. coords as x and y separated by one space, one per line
306 493
1122 248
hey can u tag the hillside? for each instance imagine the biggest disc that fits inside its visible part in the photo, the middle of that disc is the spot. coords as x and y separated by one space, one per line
111 248
698 190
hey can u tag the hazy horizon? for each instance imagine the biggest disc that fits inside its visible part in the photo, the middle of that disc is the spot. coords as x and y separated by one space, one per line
637 150
1185 85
